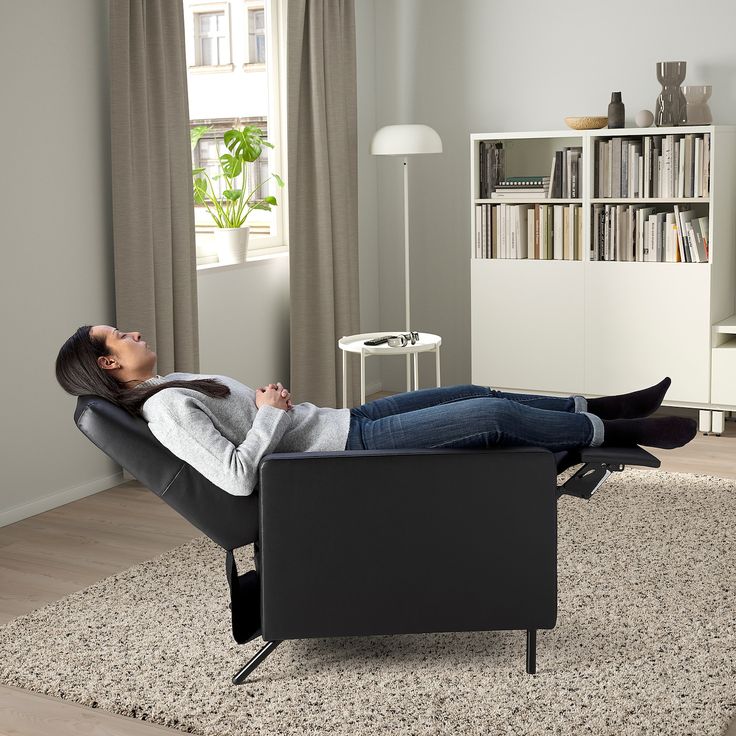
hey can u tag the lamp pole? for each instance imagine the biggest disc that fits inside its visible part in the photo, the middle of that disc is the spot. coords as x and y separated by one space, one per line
406 242
406 263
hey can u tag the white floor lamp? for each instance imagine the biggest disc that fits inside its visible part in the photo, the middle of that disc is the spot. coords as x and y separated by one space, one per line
406 140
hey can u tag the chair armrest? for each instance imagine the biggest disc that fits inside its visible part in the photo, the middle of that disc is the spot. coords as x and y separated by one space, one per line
407 541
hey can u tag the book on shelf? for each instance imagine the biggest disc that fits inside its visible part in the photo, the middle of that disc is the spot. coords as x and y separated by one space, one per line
538 231
623 232
526 187
653 166
490 156
565 178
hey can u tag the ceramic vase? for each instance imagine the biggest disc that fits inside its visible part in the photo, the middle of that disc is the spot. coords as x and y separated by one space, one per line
697 96
671 108
616 111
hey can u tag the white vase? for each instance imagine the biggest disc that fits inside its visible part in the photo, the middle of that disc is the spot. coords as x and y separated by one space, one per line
698 112
232 244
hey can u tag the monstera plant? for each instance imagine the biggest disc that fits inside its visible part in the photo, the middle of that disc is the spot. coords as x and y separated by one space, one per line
230 210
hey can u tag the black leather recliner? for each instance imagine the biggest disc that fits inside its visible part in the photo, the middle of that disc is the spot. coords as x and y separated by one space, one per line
360 543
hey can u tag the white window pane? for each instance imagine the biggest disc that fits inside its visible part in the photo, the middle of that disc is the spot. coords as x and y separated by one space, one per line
260 50
206 24
222 47
209 51
220 23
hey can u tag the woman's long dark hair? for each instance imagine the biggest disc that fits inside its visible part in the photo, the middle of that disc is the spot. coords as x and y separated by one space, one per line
79 374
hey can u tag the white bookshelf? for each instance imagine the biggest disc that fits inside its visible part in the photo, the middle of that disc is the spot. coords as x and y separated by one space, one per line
605 327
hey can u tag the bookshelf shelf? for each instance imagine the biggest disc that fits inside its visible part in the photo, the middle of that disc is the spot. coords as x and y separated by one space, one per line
649 200
519 200
726 326
598 327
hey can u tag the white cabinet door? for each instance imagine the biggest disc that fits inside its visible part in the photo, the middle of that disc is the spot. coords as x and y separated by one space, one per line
645 321
527 325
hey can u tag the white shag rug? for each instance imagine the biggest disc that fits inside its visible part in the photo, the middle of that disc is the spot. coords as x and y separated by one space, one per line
645 641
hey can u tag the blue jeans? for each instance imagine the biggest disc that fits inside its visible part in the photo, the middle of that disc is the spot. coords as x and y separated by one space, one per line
472 416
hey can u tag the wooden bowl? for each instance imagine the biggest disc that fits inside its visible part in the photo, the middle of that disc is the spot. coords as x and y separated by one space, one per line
587 122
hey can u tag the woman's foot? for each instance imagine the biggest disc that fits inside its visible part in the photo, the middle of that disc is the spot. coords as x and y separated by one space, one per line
630 406
664 432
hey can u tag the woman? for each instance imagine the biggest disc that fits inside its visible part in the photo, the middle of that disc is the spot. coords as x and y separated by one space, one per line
224 428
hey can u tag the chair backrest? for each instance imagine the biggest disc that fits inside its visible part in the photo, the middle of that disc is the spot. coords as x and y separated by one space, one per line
230 521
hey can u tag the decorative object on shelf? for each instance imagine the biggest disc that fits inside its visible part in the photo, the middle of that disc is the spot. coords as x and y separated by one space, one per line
587 122
644 118
671 104
230 207
406 140
697 110
616 111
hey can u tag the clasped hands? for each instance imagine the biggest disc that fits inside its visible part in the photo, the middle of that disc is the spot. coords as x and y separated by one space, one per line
274 395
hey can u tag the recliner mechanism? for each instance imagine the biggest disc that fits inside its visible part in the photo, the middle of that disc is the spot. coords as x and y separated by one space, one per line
588 479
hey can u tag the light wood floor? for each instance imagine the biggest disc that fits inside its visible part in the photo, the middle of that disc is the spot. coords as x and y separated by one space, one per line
46 557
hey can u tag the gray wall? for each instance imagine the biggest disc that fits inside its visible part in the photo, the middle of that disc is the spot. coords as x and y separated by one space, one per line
57 270
479 66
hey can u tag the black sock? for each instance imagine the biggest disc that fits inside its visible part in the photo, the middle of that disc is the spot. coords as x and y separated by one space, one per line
630 406
665 432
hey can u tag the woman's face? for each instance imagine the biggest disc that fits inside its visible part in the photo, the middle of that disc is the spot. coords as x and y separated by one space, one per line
128 348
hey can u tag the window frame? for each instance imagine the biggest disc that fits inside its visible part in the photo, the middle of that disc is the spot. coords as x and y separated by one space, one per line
275 68
204 9
251 5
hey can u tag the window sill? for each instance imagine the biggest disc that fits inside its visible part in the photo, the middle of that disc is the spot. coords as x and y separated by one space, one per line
254 67
251 259
212 69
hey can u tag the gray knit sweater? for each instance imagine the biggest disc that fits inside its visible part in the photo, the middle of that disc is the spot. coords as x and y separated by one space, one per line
225 439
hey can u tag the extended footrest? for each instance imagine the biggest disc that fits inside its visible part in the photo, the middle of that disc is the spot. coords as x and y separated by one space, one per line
598 464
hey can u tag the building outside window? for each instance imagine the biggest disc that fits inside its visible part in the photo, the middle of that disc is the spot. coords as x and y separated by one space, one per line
233 54
212 39
257 35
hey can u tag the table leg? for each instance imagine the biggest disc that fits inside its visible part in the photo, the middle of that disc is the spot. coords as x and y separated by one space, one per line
408 372
362 376
344 379
437 353
416 371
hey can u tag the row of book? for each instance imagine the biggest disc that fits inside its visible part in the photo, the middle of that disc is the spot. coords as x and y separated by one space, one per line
653 166
540 231
641 233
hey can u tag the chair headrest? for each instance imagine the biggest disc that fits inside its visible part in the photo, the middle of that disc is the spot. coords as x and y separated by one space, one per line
230 521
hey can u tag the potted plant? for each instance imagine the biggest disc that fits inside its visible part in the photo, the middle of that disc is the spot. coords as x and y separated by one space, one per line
230 210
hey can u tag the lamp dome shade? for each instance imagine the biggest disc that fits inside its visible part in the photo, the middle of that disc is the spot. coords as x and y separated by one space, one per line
404 140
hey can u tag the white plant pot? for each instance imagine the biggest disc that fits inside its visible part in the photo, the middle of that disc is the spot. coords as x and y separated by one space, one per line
232 244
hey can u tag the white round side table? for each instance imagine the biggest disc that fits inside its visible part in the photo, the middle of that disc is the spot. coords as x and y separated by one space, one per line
427 343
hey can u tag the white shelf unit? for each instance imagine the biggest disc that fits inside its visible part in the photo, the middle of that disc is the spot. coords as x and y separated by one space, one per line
605 327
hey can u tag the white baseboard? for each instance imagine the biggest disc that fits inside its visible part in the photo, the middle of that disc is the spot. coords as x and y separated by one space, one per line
373 388
54 500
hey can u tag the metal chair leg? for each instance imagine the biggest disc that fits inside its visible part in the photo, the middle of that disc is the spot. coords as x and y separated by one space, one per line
259 656
531 651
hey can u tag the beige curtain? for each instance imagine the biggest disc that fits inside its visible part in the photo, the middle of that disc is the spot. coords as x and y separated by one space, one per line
323 197
153 219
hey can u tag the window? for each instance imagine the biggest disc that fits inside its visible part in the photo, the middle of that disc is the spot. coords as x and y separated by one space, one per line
212 42
234 80
256 36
